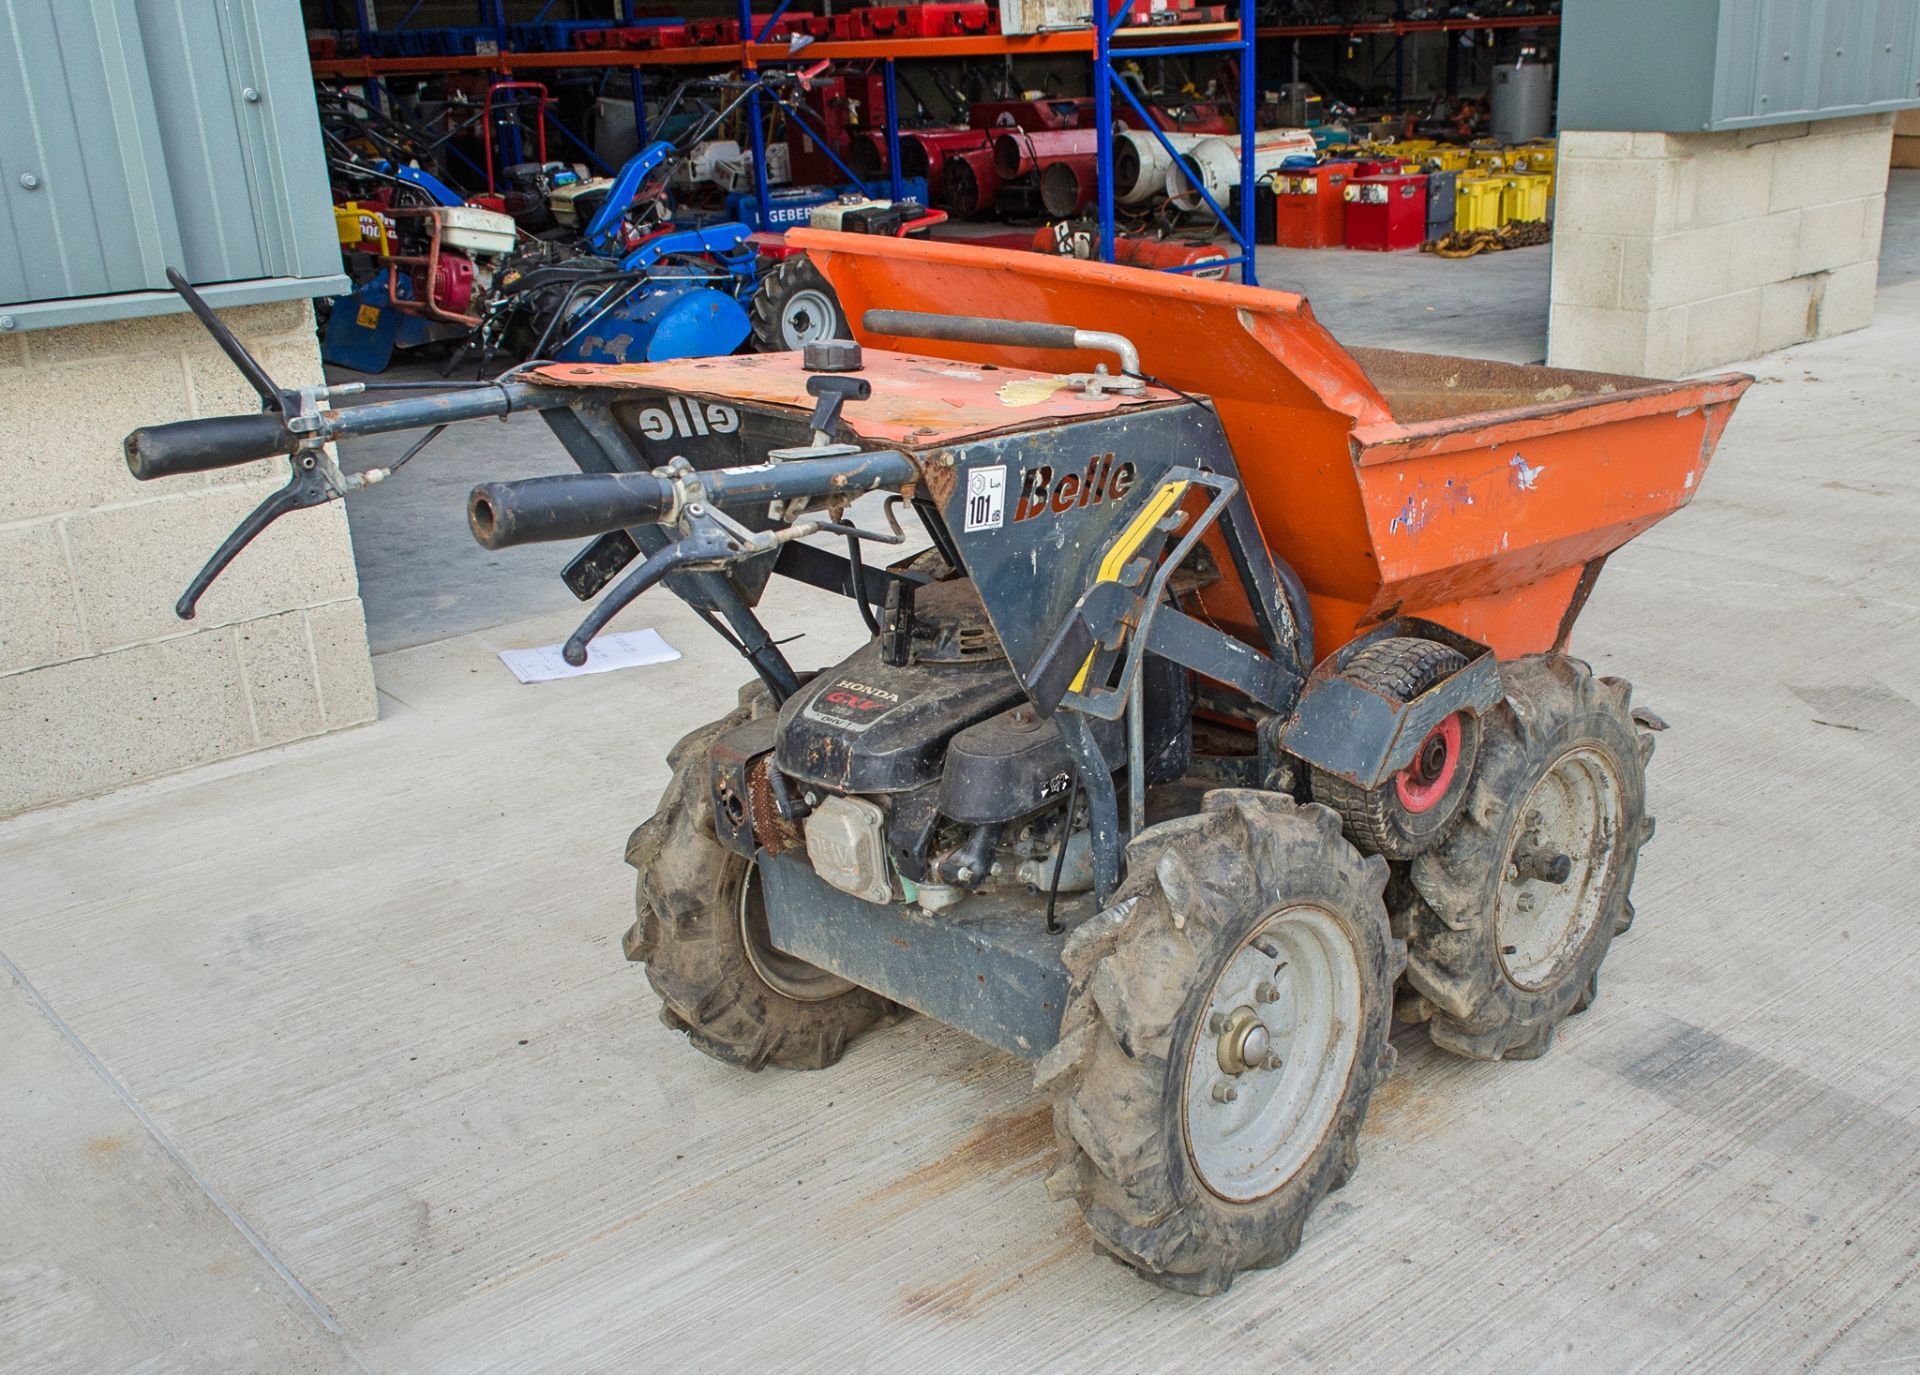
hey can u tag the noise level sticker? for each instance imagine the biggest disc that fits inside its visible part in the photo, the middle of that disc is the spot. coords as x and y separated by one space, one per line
986 498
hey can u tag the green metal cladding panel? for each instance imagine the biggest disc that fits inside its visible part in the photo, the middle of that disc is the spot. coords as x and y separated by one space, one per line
143 134
1677 66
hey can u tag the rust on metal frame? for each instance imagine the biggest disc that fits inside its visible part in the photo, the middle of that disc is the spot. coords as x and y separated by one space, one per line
917 401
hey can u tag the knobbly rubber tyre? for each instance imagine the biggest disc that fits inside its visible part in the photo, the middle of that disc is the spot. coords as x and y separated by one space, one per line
1135 1039
690 931
795 305
1493 980
1400 819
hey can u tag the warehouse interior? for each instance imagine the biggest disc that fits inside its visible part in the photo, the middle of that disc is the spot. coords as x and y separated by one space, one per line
426 425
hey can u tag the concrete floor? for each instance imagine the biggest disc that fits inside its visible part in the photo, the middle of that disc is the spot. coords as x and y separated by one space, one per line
326 1059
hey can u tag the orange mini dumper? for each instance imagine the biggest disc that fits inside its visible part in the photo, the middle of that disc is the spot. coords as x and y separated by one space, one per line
1227 714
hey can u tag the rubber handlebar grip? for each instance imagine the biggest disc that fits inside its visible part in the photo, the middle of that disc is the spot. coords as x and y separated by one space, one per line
198 446
969 329
566 506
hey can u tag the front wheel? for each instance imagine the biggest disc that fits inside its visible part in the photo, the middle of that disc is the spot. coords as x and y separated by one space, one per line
795 305
701 927
1226 1025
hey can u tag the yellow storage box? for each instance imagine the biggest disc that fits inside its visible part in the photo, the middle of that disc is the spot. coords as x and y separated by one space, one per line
1477 202
1524 197
1532 157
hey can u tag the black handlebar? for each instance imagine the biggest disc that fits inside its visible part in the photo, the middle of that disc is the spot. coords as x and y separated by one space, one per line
198 446
564 507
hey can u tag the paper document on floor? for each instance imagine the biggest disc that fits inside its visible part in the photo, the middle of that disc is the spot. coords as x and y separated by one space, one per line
632 649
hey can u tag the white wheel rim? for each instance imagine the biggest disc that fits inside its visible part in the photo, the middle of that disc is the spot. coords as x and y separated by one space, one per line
806 318
1250 1130
1574 810
788 975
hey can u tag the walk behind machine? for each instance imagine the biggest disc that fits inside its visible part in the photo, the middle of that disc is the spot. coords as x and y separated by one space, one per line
1227 717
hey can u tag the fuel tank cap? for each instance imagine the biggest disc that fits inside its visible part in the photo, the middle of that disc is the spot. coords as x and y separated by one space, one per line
831 355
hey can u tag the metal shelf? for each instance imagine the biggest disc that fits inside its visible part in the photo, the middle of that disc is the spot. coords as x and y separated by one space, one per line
735 55
372 68
1100 40
1400 28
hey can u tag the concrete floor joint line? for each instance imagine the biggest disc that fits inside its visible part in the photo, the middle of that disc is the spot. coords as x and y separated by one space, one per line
319 1310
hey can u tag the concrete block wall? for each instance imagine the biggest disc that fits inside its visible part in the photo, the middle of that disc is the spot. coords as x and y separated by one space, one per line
1677 252
100 684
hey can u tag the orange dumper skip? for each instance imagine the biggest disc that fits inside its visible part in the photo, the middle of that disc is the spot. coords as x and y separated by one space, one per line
1482 496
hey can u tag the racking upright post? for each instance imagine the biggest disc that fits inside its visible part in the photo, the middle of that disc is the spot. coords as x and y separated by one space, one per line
1106 81
898 185
635 82
750 71
363 20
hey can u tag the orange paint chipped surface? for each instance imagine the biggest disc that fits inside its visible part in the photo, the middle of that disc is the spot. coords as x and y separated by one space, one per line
917 401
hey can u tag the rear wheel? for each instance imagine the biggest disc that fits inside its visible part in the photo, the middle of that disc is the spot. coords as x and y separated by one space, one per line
1410 811
795 305
702 930
1226 1026
1512 914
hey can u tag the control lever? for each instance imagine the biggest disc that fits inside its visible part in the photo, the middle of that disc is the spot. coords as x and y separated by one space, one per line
316 478
692 502
832 392
713 540
272 398
708 544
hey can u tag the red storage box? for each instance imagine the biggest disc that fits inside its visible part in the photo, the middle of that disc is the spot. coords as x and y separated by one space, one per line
1309 206
1386 213
704 32
953 21
784 27
638 39
884 21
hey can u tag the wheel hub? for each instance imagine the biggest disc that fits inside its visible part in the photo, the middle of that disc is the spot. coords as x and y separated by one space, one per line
1423 783
1244 1044
1555 875
1269 1061
807 318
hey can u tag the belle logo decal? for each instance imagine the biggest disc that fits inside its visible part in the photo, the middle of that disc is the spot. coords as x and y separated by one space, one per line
688 419
1102 481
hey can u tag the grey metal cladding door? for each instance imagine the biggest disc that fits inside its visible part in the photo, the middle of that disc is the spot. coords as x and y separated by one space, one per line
79 154
1894 72
232 88
141 134
1783 59
213 170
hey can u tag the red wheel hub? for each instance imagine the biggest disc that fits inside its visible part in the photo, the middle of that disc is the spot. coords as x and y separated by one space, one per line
1422 784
